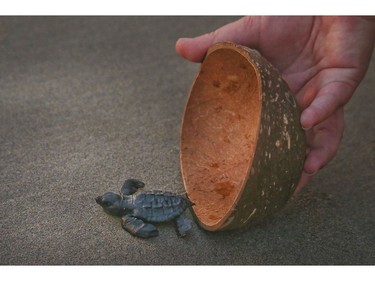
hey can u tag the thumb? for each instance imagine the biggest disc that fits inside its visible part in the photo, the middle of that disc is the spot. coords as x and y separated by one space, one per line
243 31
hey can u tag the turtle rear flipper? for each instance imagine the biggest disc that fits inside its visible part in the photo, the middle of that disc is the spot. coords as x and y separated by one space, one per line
138 227
182 225
131 186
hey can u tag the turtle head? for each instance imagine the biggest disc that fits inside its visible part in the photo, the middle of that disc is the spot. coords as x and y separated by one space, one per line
111 203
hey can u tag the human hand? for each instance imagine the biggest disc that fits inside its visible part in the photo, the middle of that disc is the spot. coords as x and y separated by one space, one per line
323 60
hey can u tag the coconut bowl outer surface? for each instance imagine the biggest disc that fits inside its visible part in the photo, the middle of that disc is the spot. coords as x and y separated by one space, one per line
275 164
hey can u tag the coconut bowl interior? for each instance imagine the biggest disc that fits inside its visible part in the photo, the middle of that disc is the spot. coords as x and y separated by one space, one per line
219 134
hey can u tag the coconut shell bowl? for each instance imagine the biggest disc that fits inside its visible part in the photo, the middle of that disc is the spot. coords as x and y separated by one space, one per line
242 147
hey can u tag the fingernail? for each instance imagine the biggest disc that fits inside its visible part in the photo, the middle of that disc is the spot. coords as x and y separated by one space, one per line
311 174
305 119
183 39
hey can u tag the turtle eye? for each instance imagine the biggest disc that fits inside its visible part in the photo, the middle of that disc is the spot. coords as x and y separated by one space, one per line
105 204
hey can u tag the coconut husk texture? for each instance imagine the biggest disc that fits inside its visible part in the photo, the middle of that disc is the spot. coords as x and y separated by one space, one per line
242 145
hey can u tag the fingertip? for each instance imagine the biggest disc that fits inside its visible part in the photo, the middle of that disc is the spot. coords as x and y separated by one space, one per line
308 172
181 46
187 49
307 119
311 168
312 164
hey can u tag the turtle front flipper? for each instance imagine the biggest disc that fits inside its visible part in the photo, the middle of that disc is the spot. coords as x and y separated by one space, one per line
131 186
138 227
182 225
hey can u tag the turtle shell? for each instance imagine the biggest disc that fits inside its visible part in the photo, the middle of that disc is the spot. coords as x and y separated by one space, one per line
158 206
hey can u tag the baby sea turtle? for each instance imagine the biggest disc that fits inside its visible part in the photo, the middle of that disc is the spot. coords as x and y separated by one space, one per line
139 211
